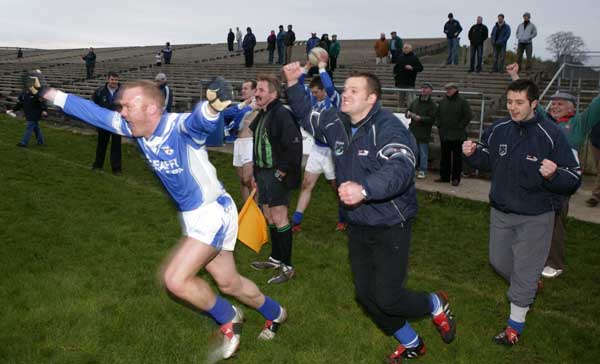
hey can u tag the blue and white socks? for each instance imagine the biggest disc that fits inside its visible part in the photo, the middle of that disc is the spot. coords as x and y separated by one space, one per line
407 336
517 317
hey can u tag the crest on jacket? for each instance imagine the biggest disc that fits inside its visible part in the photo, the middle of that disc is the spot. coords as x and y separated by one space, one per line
339 148
503 149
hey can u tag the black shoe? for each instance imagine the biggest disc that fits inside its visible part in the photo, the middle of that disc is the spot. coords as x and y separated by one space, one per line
441 180
21 145
455 182
508 337
401 353
117 173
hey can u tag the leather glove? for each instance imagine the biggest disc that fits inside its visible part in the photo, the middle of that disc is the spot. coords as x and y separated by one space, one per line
219 94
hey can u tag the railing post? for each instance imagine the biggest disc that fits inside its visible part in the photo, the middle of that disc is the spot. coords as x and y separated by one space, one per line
481 114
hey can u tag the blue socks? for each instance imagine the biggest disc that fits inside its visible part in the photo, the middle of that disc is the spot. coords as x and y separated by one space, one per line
222 311
297 217
517 326
435 304
270 309
407 336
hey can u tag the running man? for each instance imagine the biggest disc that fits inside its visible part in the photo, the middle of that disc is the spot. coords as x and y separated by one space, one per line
323 95
174 145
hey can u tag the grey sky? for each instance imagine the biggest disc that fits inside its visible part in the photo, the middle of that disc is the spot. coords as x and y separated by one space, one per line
70 24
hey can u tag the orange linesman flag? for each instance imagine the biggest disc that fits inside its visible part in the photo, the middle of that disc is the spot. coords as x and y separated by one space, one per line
252 226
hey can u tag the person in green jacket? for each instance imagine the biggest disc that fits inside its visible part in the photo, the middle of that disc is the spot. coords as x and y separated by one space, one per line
452 119
422 112
334 52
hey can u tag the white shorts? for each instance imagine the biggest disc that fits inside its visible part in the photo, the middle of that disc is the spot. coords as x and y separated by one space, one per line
320 161
242 151
214 224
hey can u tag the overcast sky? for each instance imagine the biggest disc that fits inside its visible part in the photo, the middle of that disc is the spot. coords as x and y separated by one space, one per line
74 24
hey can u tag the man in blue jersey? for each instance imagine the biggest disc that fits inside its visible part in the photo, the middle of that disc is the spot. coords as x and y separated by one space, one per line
174 145
323 95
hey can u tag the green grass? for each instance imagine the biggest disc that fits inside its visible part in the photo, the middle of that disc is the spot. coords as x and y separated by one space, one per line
79 253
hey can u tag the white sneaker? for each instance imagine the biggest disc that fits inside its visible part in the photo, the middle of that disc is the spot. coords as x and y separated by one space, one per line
421 175
231 334
270 329
550 272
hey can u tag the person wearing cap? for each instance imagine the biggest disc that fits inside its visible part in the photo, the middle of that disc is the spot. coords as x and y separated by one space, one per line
452 30
526 31
406 69
477 35
396 45
105 97
161 82
311 42
382 49
422 113
452 119
334 52
532 169
499 38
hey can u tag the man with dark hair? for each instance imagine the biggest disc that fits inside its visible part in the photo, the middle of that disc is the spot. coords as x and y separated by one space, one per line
289 39
499 38
248 45
277 169
374 158
526 31
167 53
452 119
90 63
452 30
174 145
323 95
477 36
230 40
396 46
106 97
280 45
533 169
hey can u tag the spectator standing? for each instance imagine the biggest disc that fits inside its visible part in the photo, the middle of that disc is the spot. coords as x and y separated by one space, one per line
499 38
334 52
271 43
324 42
382 50
374 158
34 109
19 53
526 31
452 30
158 59
289 40
239 37
167 53
277 169
477 36
533 168
396 46
230 40
248 46
452 119
90 63
311 42
161 82
281 45
406 69
422 113
105 97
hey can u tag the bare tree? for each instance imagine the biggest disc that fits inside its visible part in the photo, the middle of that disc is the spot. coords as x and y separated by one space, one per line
566 45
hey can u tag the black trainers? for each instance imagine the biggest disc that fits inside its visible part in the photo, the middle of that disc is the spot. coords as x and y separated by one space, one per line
269 264
508 337
444 321
401 353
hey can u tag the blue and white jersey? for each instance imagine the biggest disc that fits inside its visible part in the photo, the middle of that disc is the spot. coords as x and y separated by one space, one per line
234 115
333 98
176 150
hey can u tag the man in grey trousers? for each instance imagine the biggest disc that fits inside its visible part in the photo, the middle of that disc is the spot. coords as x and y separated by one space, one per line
533 169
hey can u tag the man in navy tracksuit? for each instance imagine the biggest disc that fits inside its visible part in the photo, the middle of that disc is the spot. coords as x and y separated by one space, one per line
374 157
105 97
533 168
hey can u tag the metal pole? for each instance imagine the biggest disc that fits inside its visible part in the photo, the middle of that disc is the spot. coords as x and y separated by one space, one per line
482 112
